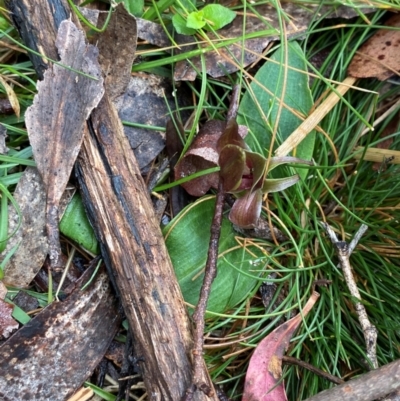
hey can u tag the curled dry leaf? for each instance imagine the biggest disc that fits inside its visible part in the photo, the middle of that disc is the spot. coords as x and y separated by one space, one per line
56 119
203 154
263 378
379 56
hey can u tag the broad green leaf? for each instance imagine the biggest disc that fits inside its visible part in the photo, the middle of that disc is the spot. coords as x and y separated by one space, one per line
187 237
297 96
195 20
218 16
75 225
180 25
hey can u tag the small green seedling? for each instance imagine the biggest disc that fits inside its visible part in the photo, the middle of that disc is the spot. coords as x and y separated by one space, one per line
211 17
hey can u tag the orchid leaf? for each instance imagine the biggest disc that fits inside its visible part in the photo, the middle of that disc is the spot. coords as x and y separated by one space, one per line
278 161
187 237
279 184
265 94
232 161
247 209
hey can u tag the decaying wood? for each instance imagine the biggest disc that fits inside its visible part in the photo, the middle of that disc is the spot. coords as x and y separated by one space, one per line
53 354
131 240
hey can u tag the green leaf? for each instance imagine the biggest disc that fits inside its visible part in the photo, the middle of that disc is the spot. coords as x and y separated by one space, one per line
134 7
279 184
187 237
186 5
180 25
75 225
217 16
297 96
195 20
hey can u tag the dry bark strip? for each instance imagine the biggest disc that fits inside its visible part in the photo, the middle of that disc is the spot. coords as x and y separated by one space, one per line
131 240
53 354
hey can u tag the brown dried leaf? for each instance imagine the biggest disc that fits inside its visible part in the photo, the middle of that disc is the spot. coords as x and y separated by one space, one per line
144 103
55 120
52 355
117 46
23 266
201 155
379 56
7 323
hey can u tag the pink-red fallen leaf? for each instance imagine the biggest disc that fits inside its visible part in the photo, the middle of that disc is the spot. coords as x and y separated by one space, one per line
263 378
7 323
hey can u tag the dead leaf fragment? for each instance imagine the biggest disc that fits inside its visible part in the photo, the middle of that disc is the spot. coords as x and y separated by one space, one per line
52 355
265 367
144 102
55 121
117 46
31 237
201 155
7 323
379 56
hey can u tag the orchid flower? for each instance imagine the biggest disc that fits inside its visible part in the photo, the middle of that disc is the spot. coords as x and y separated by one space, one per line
244 173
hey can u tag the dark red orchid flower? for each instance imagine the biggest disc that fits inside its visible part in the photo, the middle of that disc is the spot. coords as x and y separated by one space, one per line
244 173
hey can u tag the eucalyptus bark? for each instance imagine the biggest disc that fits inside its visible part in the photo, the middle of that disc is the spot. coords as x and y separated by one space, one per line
123 217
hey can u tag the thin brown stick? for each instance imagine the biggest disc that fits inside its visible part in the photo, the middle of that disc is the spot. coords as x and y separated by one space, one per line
199 313
343 251
289 360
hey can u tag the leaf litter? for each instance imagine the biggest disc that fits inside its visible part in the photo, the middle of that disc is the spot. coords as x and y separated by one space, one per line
56 119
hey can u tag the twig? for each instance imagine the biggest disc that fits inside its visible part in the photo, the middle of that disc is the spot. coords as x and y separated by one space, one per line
343 251
289 360
371 386
198 315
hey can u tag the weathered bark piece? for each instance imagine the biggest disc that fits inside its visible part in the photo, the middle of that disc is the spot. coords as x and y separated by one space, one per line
131 241
40 29
52 355
55 120
133 246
